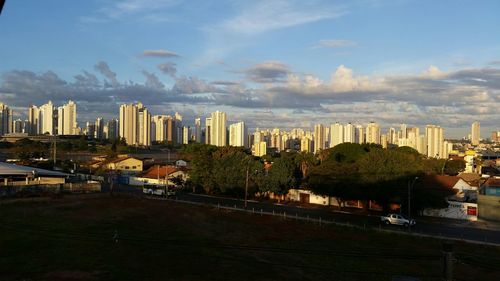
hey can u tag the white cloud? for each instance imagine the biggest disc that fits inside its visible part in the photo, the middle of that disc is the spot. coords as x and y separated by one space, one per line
334 43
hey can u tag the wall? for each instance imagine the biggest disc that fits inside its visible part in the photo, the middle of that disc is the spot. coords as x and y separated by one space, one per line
489 207
455 210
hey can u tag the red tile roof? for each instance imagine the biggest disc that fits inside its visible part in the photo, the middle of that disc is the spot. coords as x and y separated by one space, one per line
159 171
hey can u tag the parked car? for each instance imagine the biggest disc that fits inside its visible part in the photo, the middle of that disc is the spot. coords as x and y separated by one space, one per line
397 219
158 190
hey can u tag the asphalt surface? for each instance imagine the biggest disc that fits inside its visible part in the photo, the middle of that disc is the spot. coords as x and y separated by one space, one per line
437 227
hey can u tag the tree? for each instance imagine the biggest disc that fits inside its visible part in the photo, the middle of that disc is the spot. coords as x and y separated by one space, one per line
346 153
279 178
453 167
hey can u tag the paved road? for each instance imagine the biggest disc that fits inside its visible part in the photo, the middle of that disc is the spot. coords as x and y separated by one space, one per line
446 228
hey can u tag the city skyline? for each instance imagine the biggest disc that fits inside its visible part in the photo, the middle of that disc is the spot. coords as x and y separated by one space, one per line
283 64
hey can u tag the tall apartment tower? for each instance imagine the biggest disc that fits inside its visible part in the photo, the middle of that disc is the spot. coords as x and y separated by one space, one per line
99 129
434 136
475 133
33 120
373 133
218 129
197 130
113 129
159 125
336 134
135 124
5 119
46 118
319 137
66 119
359 134
208 130
238 134
349 133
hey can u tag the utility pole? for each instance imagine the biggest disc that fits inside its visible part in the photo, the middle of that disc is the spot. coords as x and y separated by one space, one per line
246 187
410 187
55 152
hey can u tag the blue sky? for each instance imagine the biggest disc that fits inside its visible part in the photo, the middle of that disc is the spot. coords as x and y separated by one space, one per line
270 63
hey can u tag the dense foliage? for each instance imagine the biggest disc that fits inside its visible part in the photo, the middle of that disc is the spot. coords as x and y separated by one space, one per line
346 171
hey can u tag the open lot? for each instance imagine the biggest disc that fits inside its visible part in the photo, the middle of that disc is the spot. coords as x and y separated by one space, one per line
73 238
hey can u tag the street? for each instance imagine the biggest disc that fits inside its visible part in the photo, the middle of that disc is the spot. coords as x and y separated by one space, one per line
436 227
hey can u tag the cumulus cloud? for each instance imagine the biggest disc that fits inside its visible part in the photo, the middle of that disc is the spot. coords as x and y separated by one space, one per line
267 72
169 68
449 98
103 68
152 81
159 53
334 43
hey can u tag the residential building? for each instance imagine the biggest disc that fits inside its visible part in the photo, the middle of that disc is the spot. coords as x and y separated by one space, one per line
435 141
218 129
475 133
319 137
336 134
373 133
66 119
197 130
135 124
5 119
238 134
99 129
46 118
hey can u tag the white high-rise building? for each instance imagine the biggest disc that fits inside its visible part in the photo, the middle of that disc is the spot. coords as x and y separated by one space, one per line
336 134
319 137
33 120
359 134
238 134
349 133
435 141
475 133
46 118
218 129
66 119
159 128
135 124
5 119
403 131
373 133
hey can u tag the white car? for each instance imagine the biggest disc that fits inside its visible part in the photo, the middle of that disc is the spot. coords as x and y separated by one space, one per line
158 190
397 219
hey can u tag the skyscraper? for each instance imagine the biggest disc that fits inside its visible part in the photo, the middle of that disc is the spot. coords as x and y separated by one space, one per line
319 137
197 130
5 119
46 118
218 129
33 120
66 119
237 134
349 133
113 129
435 141
135 124
208 130
373 133
159 125
99 129
475 133
336 134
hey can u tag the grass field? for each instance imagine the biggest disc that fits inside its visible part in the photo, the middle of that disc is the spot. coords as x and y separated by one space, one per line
72 239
